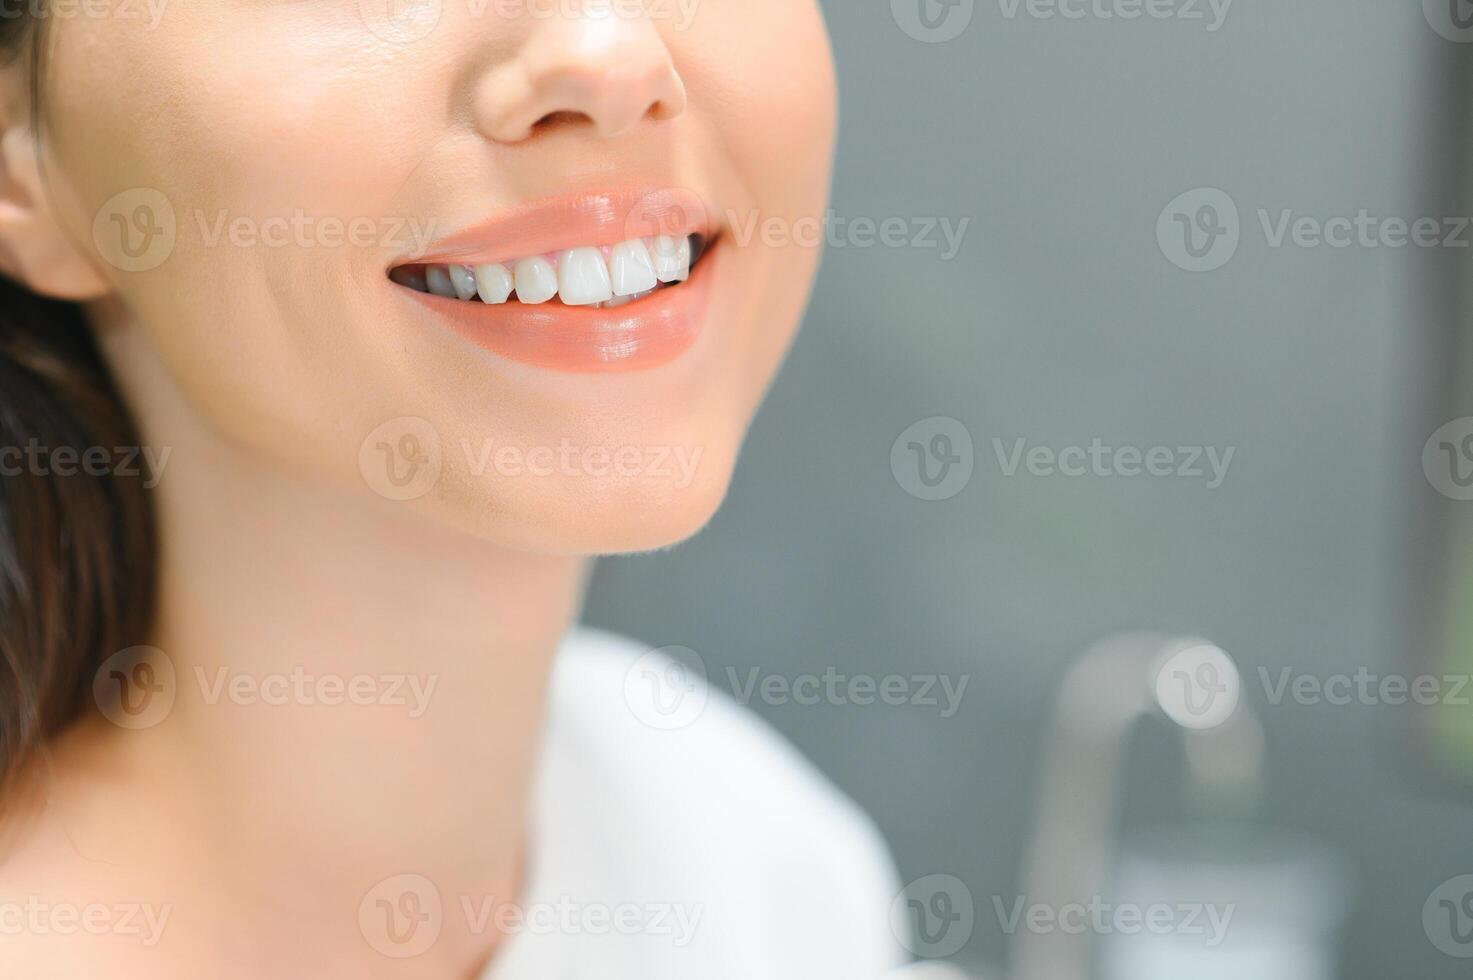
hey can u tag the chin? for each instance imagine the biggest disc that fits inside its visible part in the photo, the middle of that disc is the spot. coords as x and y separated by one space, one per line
649 522
590 516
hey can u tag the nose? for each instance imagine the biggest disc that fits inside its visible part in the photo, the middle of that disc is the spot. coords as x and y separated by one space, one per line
611 69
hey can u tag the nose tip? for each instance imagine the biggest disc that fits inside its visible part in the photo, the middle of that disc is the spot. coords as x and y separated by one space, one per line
611 71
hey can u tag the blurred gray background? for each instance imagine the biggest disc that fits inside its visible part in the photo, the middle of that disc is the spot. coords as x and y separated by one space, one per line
1062 320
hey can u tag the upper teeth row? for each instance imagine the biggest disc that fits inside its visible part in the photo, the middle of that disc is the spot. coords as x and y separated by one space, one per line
578 276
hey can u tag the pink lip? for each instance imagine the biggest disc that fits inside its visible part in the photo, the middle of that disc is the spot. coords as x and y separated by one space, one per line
638 336
605 218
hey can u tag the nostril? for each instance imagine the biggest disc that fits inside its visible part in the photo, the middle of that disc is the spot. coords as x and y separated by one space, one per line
609 121
559 120
577 77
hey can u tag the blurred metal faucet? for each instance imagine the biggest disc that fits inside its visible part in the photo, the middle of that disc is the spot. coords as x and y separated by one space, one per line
1107 691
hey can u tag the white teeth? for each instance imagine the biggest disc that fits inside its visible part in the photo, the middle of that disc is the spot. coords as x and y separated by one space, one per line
536 280
631 268
494 283
672 258
600 277
583 277
438 279
464 281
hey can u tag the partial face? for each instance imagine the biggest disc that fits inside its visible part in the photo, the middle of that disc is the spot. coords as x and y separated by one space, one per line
526 266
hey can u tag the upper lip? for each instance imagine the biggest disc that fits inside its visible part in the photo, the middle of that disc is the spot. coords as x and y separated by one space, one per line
572 221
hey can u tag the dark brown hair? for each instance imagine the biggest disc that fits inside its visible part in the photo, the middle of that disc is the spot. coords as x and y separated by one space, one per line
77 549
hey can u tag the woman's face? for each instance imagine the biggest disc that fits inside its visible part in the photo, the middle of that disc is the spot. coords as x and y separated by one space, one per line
277 191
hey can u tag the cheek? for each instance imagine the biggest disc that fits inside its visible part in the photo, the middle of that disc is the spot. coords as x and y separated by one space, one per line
762 75
764 68
282 146
238 109
269 137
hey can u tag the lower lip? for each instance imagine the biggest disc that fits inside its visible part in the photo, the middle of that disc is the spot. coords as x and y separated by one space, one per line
581 339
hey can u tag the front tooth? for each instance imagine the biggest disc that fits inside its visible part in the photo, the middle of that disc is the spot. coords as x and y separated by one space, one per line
631 268
583 277
672 258
438 279
464 281
536 280
494 283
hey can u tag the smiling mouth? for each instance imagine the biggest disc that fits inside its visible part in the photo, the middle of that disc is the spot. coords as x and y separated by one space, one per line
597 277
601 281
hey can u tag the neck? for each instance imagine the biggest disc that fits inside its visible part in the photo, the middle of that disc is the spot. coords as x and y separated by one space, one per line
359 693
